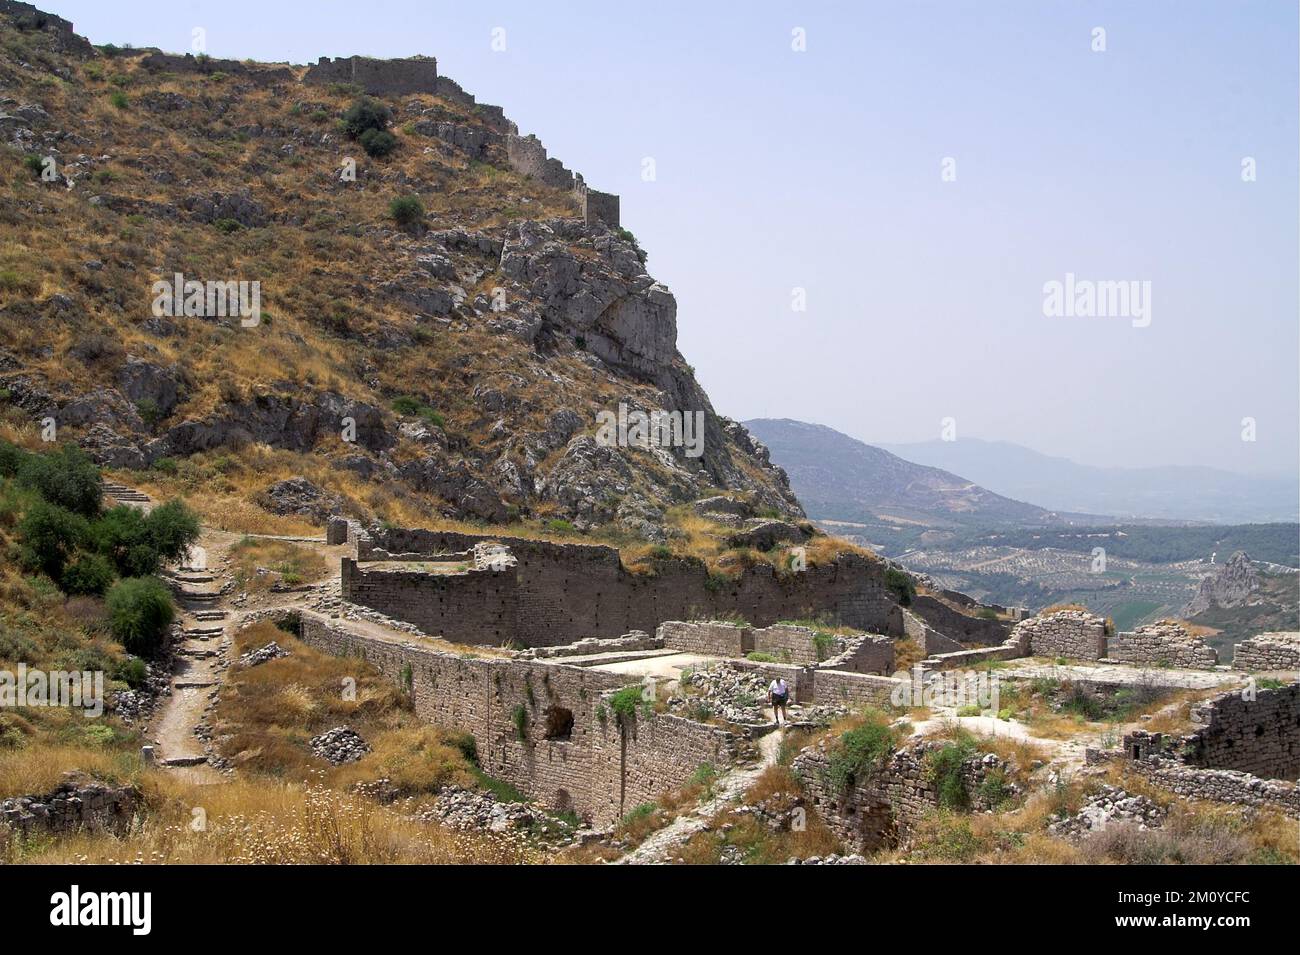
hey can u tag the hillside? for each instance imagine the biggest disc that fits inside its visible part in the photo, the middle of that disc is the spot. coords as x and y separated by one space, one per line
1170 493
837 477
436 335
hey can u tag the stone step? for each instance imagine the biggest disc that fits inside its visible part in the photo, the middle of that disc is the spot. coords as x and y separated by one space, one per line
209 615
193 684
195 577
184 760
196 596
202 631
197 653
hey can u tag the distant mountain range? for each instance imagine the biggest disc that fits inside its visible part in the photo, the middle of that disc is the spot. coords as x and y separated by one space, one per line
1169 493
840 478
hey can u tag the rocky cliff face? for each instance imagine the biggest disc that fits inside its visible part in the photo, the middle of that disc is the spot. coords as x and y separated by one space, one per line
1235 585
461 361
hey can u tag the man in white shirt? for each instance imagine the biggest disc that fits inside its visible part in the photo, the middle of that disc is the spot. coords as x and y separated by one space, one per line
778 695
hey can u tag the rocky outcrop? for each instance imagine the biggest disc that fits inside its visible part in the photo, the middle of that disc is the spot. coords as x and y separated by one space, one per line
1233 586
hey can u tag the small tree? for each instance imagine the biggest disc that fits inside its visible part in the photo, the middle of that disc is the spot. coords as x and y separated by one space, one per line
366 113
407 210
48 535
89 574
377 142
66 477
139 613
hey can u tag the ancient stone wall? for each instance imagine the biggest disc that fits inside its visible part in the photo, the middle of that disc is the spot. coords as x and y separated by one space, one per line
527 156
545 727
77 805
27 17
965 628
595 206
189 63
1074 634
712 638
1277 650
476 606
1259 736
1162 644
852 689
377 77
566 592
882 810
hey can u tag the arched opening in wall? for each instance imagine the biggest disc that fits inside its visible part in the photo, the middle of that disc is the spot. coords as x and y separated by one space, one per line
559 723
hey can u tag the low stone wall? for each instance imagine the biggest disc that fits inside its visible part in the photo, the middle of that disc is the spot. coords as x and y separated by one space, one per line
1259 735
1276 650
711 638
883 810
477 606
545 727
1162 644
802 679
189 63
1142 754
1074 634
77 805
853 689
628 643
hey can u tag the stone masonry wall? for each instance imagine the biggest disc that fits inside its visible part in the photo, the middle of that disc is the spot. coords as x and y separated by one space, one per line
189 63
883 810
76 805
712 638
1162 644
591 769
565 592
1277 650
1259 736
956 625
377 77
477 606
1075 634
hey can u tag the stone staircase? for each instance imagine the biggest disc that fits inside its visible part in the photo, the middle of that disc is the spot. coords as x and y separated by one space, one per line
126 495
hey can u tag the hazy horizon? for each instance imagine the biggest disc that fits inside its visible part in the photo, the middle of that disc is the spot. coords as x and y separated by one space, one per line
821 170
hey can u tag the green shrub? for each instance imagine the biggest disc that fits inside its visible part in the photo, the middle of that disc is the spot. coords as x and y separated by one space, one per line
377 142
519 716
11 458
119 99
758 656
901 584
88 574
624 703
139 612
227 226
140 544
35 164
366 113
131 671
406 210
65 477
860 752
943 769
48 535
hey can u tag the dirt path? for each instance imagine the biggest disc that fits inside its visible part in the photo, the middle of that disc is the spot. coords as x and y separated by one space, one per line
197 671
660 846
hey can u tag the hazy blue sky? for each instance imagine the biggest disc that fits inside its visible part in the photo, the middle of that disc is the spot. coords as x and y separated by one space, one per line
779 169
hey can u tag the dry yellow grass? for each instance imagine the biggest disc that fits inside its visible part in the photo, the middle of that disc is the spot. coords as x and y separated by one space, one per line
290 564
269 823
